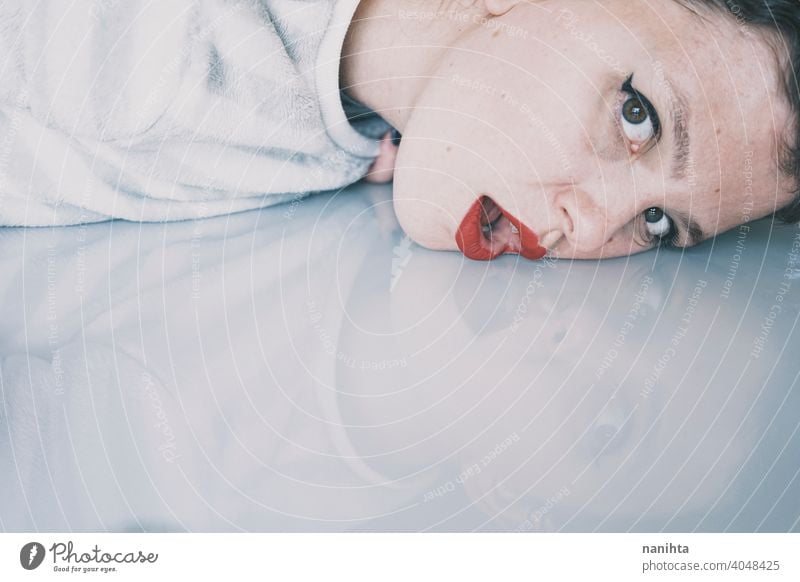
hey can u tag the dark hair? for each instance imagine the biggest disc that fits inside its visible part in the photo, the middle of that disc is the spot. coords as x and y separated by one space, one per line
780 17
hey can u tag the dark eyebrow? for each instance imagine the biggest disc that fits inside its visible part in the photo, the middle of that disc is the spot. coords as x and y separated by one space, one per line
695 233
680 115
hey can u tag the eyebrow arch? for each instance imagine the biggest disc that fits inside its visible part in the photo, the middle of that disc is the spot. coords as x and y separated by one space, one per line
696 234
680 114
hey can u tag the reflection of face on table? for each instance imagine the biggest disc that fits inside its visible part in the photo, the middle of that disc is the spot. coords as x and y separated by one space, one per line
585 377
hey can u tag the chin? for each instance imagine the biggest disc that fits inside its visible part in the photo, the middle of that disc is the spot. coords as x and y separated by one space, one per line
435 245
419 225
426 238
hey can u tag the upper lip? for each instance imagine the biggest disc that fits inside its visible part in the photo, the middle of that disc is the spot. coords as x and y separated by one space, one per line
502 238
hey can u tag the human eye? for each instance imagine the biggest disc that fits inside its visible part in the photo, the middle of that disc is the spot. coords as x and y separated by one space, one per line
660 228
611 429
638 118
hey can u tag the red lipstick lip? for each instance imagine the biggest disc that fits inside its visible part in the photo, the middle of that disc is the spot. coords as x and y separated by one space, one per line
474 245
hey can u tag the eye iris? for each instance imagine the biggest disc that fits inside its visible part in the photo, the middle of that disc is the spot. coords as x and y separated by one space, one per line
653 215
634 111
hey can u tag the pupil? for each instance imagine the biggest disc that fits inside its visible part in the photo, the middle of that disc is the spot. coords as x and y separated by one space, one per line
653 214
634 111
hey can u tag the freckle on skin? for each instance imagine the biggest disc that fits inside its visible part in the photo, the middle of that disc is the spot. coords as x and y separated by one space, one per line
495 33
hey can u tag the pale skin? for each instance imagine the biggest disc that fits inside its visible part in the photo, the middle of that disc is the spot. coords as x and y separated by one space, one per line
570 114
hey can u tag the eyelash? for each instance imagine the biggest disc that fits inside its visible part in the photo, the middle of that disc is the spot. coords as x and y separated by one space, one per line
670 239
628 89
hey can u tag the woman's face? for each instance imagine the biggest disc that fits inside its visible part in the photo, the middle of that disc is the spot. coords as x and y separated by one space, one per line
606 128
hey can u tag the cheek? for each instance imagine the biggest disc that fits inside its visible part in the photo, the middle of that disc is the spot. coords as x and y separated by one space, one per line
433 188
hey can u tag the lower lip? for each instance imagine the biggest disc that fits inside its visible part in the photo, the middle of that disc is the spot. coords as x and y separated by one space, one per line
474 245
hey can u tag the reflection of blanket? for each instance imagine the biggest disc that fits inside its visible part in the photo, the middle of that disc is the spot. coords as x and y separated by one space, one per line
172 376
172 109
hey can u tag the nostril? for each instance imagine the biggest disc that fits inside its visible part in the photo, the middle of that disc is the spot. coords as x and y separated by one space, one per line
569 226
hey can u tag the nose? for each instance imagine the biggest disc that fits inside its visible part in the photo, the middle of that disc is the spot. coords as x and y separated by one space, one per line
582 219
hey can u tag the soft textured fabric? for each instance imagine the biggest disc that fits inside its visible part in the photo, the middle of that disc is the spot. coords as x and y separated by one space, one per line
172 109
